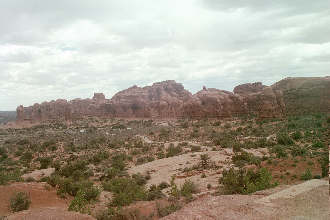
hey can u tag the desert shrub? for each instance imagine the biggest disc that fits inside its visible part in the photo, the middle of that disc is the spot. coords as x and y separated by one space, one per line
142 160
324 162
71 187
118 161
48 144
195 148
318 144
279 150
125 190
30 179
244 181
44 162
23 142
298 151
160 155
78 204
83 197
118 126
154 192
205 160
307 175
224 139
166 210
119 214
111 173
297 135
8 176
76 169
99 157
237 148
20 201
139 179
284 139
57 165
174 190
163 185
328 120
173 151
188 188
27 157
242 158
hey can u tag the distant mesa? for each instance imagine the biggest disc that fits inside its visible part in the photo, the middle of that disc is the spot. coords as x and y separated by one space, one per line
169 99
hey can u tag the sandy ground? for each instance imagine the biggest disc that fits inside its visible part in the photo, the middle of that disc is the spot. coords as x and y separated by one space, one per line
49 213
38 174
45 204
163 169
309 200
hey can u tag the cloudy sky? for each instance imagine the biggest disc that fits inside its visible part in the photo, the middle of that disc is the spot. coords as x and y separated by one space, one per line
72 48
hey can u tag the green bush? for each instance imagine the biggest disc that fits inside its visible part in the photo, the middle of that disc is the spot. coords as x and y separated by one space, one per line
188 188
126 191
166 210
118 161
83 197
78 204
307 175
324 162
8 176
195 148
297 135
45 162
20 201
318 144
27 157
242 158
284 139
173 151
280 151
163 185
205 160
244 181
298 151
154 192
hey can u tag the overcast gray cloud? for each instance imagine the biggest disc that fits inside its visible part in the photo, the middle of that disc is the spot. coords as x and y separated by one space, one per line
68 49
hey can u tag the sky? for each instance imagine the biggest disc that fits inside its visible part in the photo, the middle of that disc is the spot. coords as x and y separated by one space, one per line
69 49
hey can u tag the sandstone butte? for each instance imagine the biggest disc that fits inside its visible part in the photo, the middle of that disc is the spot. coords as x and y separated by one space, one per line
168 100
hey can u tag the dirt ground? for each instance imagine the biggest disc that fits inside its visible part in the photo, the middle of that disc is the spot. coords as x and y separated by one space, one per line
307 201
45 204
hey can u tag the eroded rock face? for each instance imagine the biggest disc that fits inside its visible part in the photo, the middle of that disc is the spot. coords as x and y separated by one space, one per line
169 99
161 100
248 88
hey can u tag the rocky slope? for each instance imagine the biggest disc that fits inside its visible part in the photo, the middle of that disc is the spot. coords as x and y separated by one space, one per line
169 99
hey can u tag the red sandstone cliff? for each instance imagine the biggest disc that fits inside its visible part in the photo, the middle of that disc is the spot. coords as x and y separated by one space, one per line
169 99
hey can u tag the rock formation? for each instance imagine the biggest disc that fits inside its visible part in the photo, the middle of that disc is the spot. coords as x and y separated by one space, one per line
169 99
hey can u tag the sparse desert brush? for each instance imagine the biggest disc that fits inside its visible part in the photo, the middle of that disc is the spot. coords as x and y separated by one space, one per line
284 139
126 191
244 181
243 158
173 151
163 211
187 189
307 175
20 201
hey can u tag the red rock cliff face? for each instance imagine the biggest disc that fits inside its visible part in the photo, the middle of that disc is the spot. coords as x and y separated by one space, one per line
169 99
161 100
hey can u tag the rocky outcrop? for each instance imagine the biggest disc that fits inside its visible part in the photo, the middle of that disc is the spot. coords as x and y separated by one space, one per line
169 99
161 100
